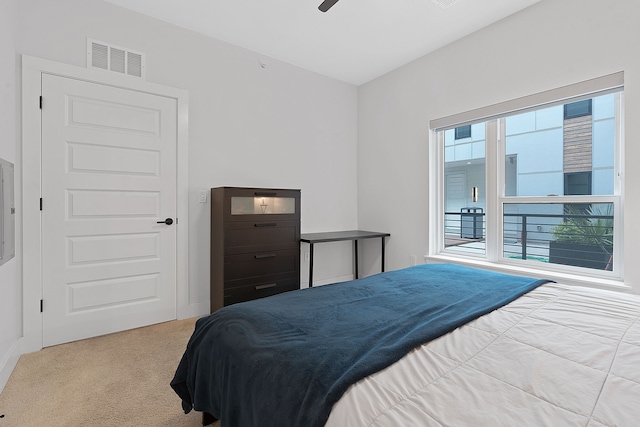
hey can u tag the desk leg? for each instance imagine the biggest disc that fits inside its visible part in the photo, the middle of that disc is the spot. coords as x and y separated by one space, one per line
382 256
310 265
355 258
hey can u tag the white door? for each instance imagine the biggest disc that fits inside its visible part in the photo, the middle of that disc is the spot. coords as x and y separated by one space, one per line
108 178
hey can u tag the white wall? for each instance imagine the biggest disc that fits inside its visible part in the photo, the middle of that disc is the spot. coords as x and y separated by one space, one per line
10 299
278 126
551 44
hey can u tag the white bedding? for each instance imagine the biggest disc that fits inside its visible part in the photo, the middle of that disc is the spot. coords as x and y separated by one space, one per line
558 356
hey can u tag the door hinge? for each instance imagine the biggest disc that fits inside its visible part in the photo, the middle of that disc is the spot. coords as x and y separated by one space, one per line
41 102
41 306
40 203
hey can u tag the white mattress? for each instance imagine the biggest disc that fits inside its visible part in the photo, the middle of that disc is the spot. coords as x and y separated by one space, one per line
558 356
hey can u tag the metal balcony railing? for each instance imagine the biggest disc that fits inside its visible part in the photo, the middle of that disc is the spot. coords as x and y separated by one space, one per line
582 239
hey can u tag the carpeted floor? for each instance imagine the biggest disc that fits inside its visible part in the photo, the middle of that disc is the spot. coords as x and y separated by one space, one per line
115 380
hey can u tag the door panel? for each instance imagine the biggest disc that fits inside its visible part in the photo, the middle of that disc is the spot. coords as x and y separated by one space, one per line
108 177
116 160
117 204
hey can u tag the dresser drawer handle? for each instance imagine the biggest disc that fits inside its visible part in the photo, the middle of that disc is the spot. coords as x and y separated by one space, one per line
266 193
266 224
262 256
270 285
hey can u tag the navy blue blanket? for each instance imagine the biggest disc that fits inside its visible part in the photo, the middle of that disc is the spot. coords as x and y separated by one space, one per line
285 360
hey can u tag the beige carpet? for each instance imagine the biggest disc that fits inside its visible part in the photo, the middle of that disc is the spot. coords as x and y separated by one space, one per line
115 380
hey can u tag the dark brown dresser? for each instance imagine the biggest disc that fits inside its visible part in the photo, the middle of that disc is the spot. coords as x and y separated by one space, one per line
255 243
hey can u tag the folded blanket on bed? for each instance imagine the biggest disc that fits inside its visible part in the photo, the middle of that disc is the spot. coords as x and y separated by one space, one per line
285 360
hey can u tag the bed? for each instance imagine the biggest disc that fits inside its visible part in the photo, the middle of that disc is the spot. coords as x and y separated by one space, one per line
481 348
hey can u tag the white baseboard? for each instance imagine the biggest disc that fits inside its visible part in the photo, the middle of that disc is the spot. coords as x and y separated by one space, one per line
9 363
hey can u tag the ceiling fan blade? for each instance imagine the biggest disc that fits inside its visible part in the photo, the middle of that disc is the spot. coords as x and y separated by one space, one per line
326 5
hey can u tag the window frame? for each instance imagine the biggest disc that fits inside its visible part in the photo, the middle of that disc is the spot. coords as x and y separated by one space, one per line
495 188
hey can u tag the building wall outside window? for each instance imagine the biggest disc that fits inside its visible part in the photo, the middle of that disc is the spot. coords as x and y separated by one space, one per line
535 140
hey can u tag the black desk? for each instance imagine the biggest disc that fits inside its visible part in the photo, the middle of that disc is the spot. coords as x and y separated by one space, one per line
338 236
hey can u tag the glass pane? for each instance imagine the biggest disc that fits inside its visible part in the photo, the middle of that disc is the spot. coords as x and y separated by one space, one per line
465 190
562 149
262 205
576 234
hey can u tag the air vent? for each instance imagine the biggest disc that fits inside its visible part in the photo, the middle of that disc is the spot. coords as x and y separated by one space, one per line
114 58
444 4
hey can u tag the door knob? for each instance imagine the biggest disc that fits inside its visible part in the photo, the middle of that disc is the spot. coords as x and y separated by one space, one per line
167 221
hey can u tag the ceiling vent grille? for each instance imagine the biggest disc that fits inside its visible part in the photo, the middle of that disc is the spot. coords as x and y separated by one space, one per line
114 58
444 4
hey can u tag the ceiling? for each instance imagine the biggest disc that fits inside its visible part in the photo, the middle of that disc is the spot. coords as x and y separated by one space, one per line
355 41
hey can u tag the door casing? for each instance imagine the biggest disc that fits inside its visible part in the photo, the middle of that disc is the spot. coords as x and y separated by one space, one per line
28 182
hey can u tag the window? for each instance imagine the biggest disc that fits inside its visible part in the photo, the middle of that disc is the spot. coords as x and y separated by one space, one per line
463 132
577 109
577 183
537 185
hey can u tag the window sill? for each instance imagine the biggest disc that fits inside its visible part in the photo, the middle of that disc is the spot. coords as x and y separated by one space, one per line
565 278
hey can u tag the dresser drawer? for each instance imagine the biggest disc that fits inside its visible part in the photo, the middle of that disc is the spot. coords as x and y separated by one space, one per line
259 290
244 266
259 236
262 279
254 204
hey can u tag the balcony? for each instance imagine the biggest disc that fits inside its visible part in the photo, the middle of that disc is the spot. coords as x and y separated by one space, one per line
578 235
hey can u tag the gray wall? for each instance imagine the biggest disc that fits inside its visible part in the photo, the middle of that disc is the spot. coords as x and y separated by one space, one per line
551 44
10 291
